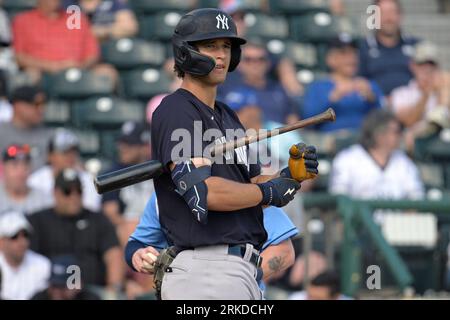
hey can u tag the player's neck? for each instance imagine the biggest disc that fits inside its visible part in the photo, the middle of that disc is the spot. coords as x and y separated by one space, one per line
204 92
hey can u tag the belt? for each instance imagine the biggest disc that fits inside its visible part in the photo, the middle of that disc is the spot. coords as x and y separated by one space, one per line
241 251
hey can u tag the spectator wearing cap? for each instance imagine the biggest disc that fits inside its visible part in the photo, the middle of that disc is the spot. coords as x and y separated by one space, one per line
245 103
48 39
14 192
426 98
280 68
23 271
351 97
60 284
68 228
386 53
63 152
26 125
270 96
110 19
125 206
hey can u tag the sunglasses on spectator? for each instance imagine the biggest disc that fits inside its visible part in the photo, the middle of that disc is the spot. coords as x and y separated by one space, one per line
24 234
254 59
68 191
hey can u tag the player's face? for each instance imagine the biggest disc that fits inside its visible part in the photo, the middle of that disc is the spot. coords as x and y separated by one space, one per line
220 51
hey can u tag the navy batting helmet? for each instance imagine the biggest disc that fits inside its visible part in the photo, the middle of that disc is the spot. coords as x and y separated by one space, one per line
198 25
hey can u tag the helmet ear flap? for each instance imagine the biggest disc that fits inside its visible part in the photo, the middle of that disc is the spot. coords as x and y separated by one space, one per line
191 61
235 57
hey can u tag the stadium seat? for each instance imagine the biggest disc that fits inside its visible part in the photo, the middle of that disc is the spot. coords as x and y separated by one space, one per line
106 112
208 3
345 139
13 7
57 113
435 147
314 27
325 143
109 143
133 53
153 6
89 141
144 84
447 176
322 180
97 164
267 27
432 175
289 7
158 26
302 54
78 84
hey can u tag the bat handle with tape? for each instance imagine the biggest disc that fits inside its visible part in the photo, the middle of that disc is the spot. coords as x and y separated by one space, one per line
128 176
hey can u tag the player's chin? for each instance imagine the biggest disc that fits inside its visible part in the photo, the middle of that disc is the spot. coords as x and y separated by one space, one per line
217 79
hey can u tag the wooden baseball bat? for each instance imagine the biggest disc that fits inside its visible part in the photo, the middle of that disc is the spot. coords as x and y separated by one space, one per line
152 169
327 115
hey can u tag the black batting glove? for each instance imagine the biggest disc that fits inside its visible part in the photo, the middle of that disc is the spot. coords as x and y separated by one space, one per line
278 192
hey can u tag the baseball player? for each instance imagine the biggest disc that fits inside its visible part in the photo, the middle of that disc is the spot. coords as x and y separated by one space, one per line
277 251
211 209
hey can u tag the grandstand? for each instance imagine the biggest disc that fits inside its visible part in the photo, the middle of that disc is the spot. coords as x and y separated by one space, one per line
95 108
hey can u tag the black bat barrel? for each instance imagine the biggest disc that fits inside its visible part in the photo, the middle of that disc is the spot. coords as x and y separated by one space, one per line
127 176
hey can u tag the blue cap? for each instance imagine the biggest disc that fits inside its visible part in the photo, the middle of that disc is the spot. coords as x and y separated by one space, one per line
60 266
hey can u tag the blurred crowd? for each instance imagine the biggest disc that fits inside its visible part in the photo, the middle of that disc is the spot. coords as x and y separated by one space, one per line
388 89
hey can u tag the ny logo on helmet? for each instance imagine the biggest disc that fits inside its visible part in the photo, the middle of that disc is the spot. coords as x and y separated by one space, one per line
222 22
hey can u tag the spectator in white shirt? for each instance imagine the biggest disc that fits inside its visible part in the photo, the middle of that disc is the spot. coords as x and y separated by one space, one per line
63 153
24 272
426 98
376 167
